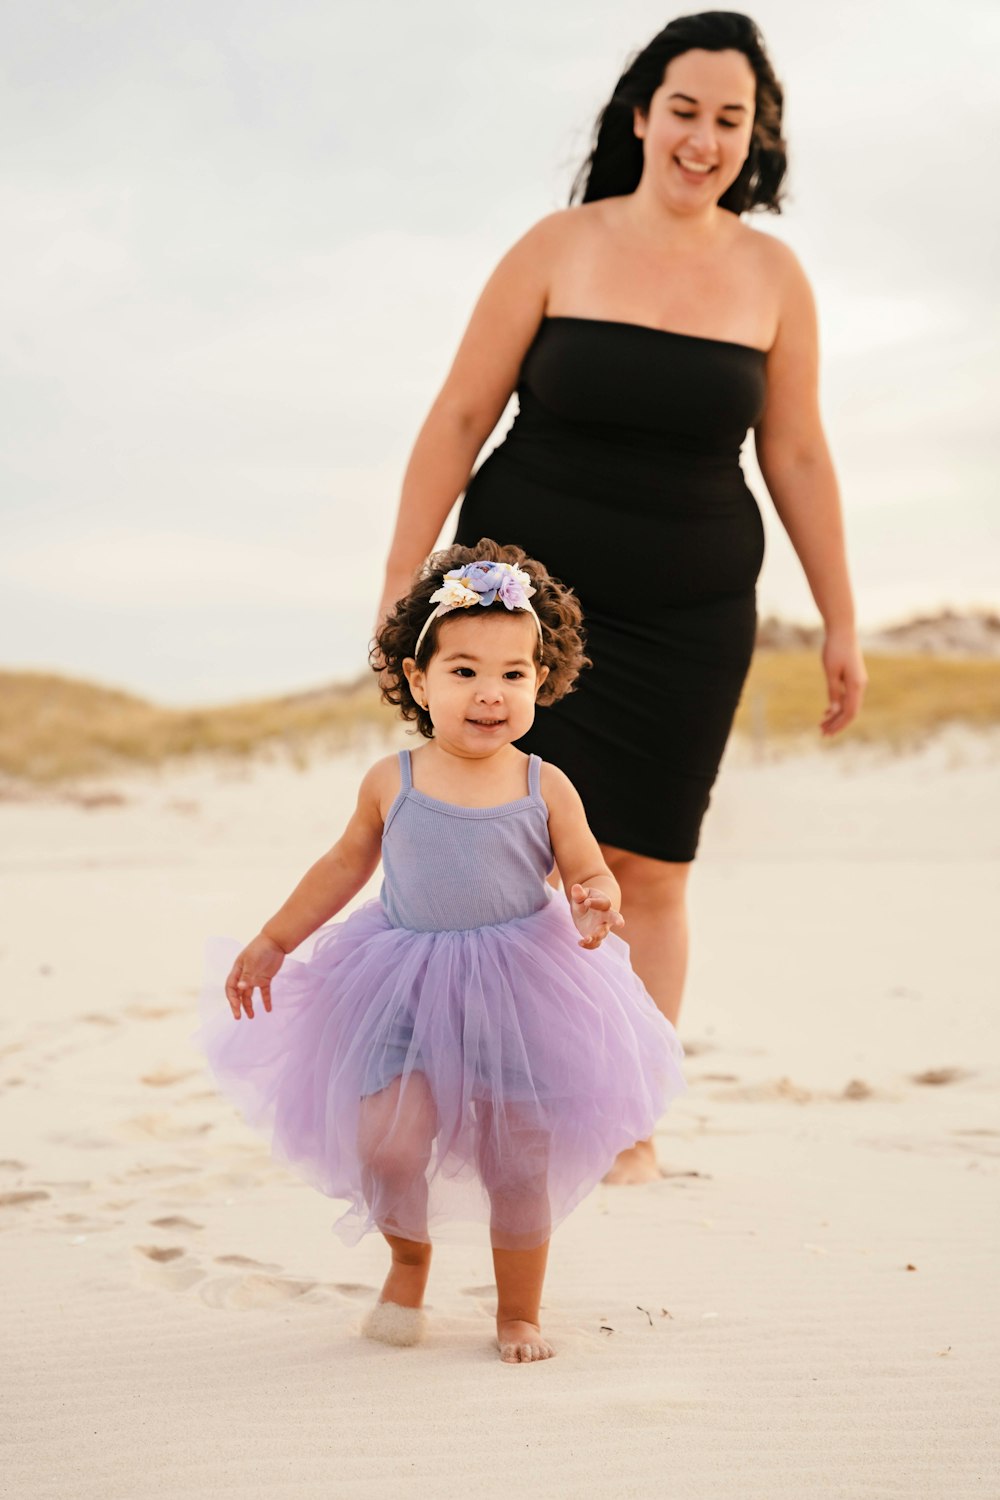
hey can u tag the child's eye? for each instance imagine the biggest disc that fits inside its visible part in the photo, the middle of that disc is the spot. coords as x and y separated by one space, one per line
464 672
516 673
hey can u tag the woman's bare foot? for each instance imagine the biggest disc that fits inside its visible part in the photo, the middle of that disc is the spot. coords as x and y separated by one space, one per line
636 1164
521 1343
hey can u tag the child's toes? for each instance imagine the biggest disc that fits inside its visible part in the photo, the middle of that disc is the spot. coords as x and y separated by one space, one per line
522 1345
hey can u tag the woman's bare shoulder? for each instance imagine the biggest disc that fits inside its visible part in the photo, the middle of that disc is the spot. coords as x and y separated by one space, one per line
564 225
775 255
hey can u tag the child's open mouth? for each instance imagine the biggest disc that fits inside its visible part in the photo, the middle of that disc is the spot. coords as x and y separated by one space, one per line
486 723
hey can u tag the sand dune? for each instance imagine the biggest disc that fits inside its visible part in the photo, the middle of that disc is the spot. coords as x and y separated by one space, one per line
803 1304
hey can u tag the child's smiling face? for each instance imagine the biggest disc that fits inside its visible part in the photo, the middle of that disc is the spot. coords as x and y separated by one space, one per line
480 685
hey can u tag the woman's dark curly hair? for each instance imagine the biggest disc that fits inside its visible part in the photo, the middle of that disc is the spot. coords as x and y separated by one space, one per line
614 165
555 605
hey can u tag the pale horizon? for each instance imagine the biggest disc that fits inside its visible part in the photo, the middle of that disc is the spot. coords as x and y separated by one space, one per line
243 246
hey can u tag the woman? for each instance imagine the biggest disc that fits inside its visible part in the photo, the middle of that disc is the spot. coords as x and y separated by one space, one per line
645 330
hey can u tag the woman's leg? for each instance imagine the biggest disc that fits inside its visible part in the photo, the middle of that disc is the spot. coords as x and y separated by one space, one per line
396 1130
656 931
512 1159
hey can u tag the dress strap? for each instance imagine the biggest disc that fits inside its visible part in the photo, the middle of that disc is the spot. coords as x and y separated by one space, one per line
534 777
405 770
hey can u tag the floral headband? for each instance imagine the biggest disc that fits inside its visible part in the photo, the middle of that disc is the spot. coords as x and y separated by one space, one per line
481 583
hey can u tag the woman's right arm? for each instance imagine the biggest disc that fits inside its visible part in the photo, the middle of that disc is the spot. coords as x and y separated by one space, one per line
470 403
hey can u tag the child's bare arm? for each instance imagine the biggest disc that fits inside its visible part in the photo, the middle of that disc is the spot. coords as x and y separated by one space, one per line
326 887
593 891
339 874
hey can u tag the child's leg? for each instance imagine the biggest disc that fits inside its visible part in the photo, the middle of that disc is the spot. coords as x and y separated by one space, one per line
512 1157
396 1130
520 1274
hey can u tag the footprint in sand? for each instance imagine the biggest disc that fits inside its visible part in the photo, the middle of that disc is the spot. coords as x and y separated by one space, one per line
243 1293
939 1076
11 1164
164 1128
167 1266
479 1291
153 1012
79 1140
163 1078
160 1169
175 1221
758 1093
979 1141
354 1289
17 1199
245 1260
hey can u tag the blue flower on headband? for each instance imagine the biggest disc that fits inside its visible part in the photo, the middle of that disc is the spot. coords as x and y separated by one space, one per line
485 577
481 583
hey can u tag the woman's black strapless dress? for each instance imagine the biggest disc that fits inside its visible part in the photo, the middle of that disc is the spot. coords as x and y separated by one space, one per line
621 473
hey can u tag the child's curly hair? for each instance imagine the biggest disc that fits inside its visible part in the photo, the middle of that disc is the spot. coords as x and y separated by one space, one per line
555 605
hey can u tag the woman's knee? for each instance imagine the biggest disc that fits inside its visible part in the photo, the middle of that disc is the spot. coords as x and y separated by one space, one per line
656 884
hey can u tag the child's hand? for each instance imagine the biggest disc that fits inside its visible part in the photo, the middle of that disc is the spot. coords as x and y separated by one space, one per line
593 914
254 969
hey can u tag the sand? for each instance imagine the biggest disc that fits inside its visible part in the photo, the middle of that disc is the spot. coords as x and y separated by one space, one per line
804 1305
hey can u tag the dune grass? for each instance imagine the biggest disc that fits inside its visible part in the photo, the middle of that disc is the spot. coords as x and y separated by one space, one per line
909 698
56 729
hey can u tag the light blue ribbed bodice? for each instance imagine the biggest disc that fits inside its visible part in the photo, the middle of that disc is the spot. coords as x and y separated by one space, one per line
449 868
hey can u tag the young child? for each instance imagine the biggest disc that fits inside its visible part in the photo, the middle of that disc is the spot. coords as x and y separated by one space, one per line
472 1045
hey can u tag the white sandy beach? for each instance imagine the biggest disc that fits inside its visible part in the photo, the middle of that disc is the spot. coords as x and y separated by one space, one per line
805 1305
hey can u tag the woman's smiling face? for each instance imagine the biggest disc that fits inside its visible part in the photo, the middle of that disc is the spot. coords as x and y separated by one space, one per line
696 135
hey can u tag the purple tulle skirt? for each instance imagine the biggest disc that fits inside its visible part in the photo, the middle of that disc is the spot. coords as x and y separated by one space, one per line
488 1075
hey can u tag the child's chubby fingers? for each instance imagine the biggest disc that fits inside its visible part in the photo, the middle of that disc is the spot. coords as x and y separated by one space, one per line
239 992
590 898
244 987
234 989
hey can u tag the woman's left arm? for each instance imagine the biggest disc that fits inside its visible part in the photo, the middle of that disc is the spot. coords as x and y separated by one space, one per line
795 461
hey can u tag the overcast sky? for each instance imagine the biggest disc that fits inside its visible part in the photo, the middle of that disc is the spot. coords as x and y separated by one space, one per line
242 241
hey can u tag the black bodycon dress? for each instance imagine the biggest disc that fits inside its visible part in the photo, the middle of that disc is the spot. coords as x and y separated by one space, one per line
621 473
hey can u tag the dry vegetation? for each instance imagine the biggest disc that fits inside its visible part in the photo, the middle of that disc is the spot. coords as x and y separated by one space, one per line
54 729
909 698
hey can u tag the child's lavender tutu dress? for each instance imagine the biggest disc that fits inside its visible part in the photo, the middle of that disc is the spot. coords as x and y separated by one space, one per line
449 1052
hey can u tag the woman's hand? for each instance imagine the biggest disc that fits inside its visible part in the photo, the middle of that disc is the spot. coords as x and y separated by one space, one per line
846 680
593 914
253 970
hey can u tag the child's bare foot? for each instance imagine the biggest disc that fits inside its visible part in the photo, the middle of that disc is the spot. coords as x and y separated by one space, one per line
407 1280
398 1317
521 1343
636 1164
391 1324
